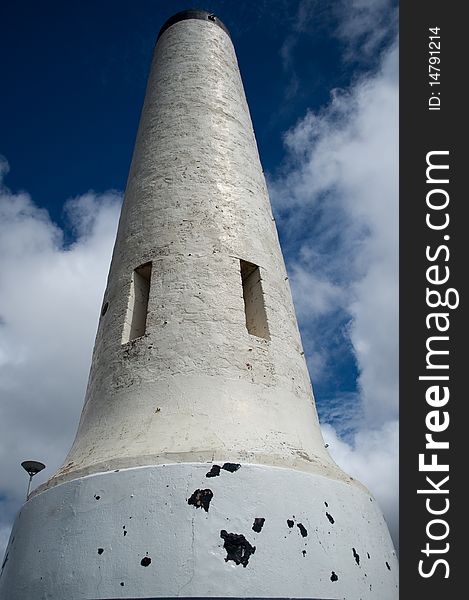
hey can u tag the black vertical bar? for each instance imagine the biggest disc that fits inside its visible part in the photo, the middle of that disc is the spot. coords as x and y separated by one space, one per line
432 119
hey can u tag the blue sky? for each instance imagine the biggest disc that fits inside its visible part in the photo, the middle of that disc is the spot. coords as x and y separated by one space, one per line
321 82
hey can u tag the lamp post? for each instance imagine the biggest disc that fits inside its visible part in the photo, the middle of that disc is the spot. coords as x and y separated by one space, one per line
32 467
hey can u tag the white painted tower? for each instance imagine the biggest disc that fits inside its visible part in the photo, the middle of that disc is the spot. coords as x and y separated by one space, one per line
198 468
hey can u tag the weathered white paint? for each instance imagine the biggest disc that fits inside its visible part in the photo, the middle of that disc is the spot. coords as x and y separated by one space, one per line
144 512
197 387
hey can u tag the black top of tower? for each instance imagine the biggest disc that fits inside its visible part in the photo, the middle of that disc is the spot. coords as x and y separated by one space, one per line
203 15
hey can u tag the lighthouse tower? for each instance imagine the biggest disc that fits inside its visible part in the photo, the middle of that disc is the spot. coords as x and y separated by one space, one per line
198 469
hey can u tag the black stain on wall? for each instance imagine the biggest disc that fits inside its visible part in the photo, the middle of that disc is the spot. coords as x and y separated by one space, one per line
290 523
330 517
334 577
356 556
146 560
238 549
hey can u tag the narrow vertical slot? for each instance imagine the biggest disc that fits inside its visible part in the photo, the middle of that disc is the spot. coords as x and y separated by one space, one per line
137 307
254 307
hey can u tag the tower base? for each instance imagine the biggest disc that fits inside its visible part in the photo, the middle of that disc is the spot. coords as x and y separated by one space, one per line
200 530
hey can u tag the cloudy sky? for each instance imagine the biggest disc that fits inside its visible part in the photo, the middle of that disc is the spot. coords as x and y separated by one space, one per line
322 83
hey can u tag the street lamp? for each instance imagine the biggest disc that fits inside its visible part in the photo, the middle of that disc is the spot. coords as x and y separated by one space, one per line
32 467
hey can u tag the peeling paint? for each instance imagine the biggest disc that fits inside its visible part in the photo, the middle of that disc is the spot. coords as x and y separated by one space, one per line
238 549
302 529
158 513
201 499
214 471
231 467
290 523
258 524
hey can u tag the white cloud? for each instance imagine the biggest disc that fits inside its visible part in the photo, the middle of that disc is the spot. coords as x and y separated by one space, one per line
50 296
336 203
365 25
298 23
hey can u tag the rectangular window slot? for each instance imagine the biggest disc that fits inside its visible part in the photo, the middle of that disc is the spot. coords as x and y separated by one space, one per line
137 308
254 307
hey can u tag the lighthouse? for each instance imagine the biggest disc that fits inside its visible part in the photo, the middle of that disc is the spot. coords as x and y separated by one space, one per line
198 469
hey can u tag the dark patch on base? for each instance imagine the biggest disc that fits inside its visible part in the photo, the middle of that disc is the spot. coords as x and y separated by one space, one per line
97 497
146 560
231 467
368 554
302 529
125 532
330 517
238 549
326 504
214 471
290 523
303 552
122 583
201 499
334 577
356 556
387 564
100 550
5 560
258 524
